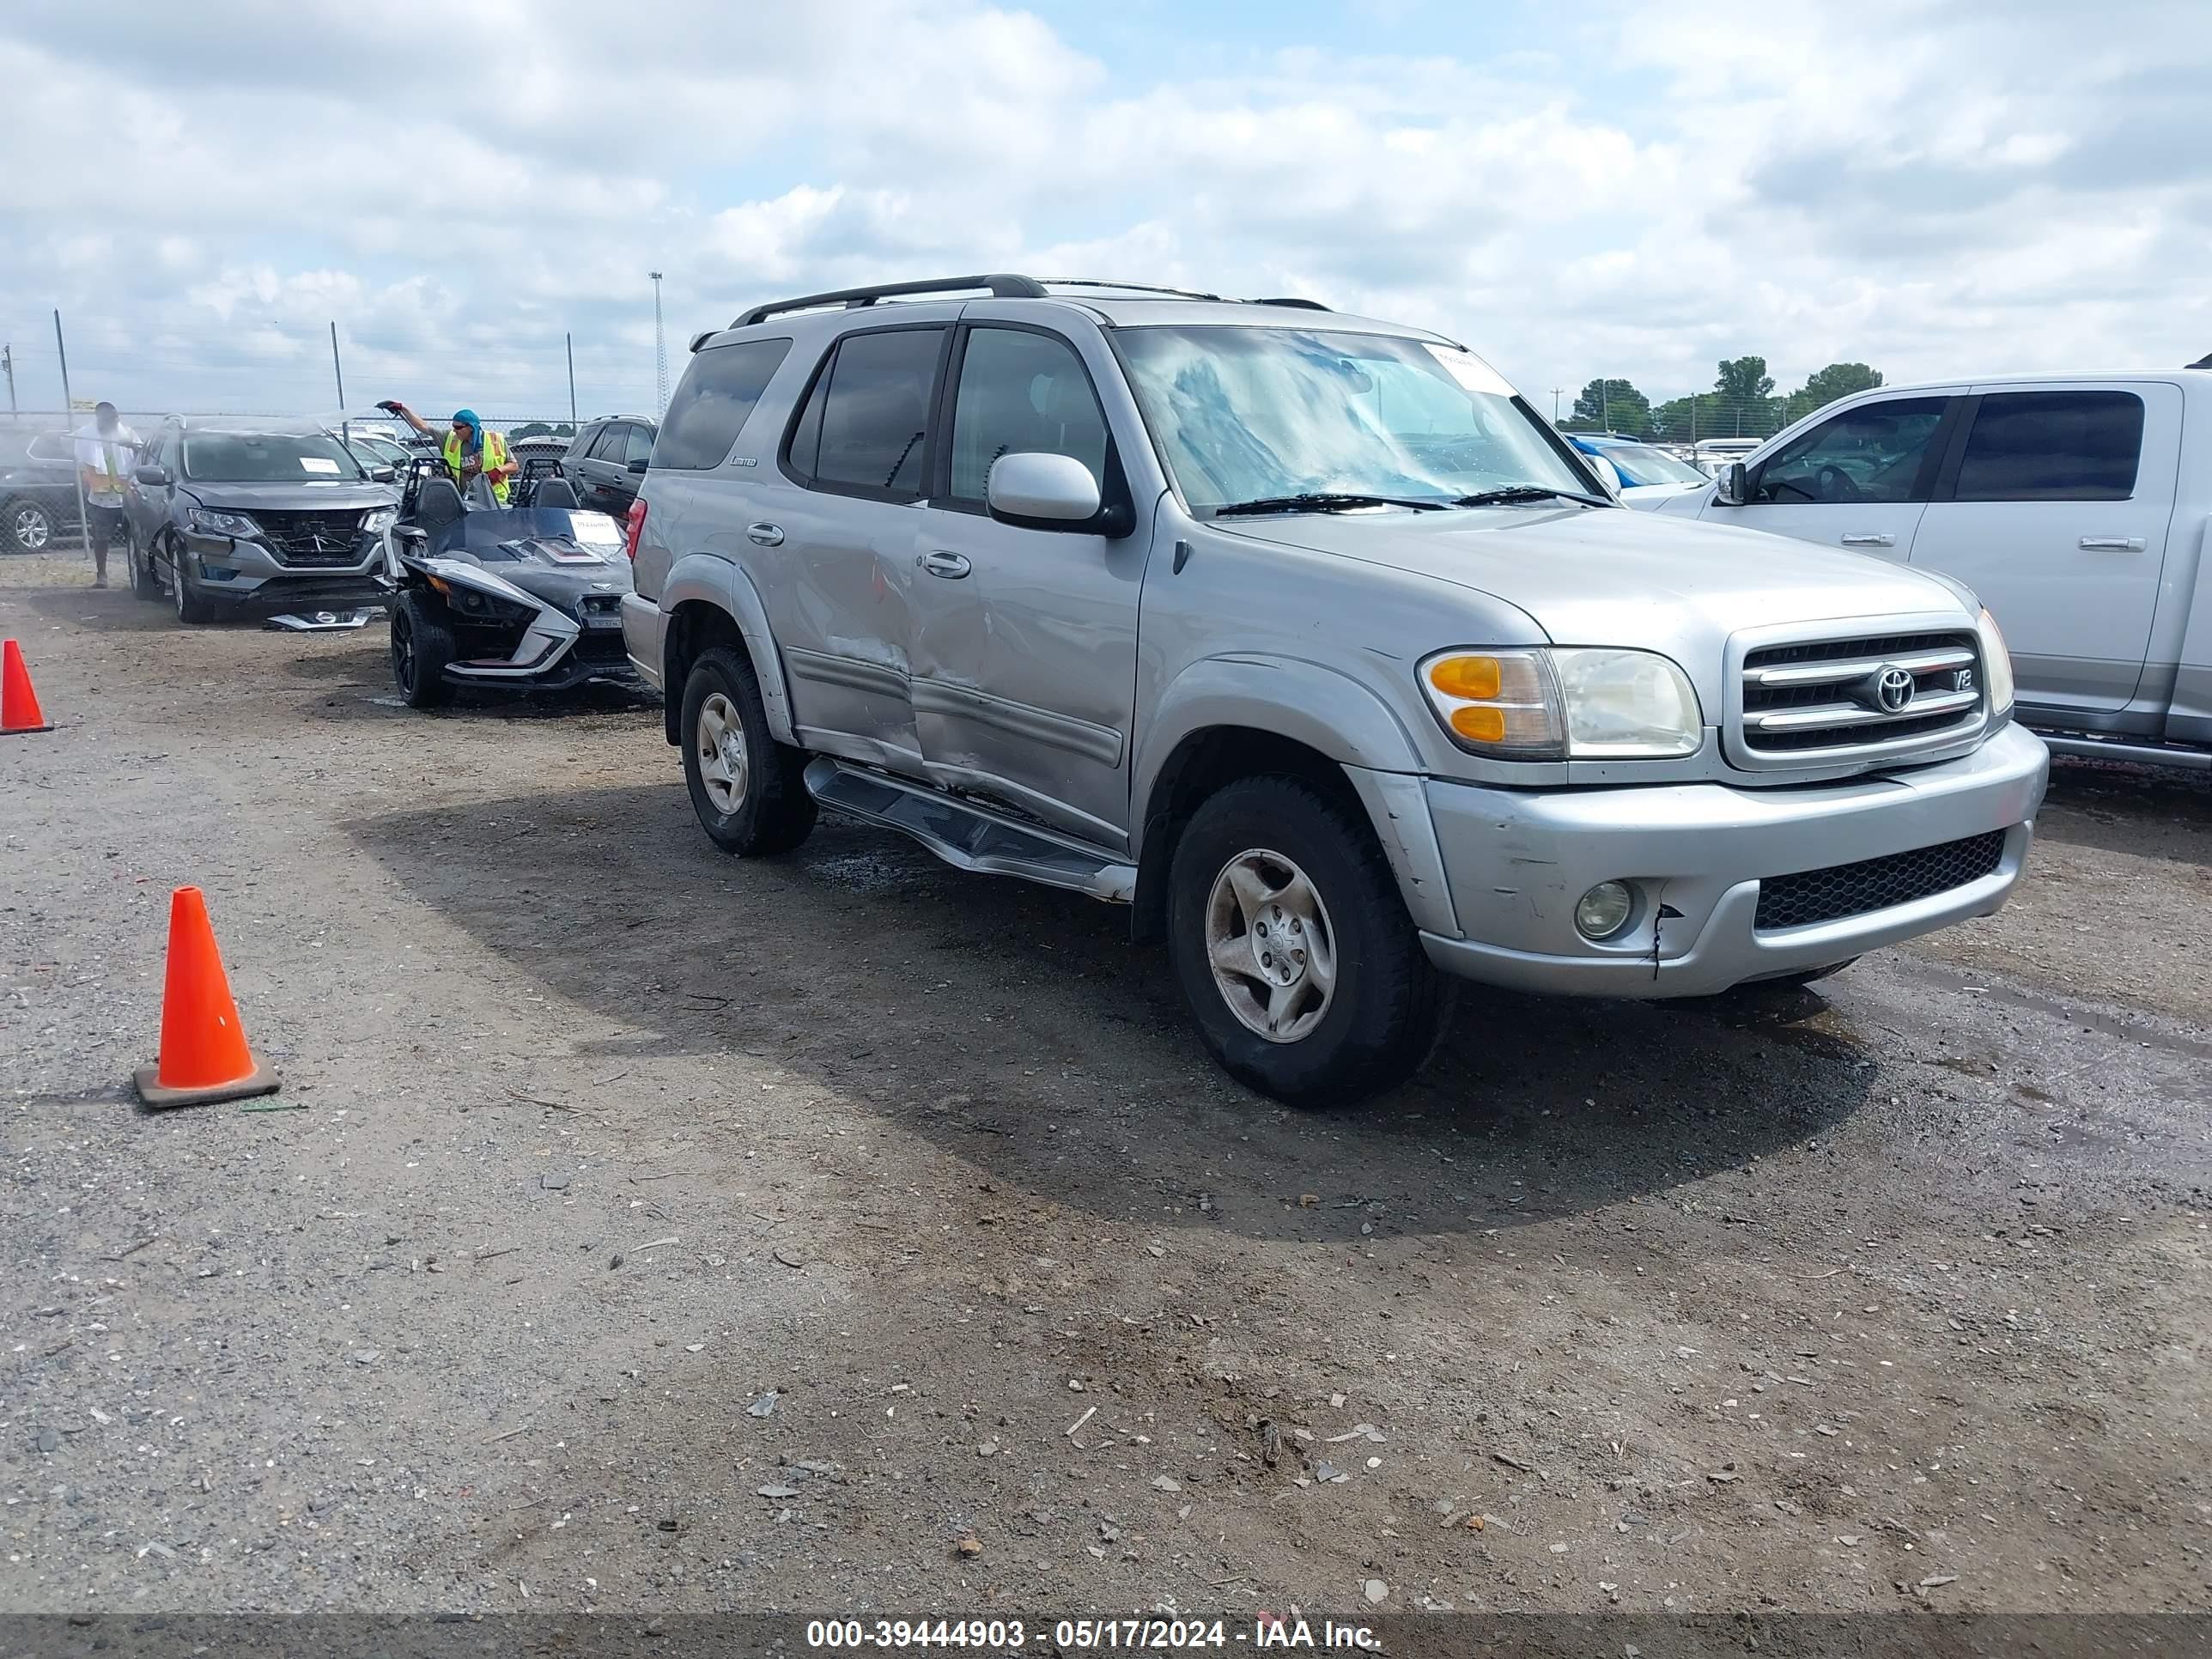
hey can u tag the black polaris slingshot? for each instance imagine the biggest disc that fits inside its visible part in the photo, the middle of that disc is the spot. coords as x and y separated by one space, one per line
520 598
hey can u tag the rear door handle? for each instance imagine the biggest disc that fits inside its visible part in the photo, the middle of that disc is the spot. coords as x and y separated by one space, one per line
2112 543
1869 541
951 566
767 535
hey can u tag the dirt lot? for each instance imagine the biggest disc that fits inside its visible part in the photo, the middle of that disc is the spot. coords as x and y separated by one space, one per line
1890 1295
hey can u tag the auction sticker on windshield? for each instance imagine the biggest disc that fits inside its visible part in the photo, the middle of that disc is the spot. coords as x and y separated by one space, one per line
318 464
1471 372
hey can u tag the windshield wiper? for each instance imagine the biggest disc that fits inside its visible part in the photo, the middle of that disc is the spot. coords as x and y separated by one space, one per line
1324 501
1513 494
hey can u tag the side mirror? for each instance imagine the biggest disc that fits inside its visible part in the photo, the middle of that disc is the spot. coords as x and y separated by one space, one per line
382 474
153 478
1731 486
1035 491
638 466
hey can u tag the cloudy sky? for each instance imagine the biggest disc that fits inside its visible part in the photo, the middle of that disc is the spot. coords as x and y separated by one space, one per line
1592 188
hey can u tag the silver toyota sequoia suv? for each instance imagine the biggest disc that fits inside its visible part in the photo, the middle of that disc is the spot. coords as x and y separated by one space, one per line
1306 638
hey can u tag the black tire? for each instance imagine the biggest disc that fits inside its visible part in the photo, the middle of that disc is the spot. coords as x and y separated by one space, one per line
190 606
421 645
144 584
28 526
773 813
1386 1012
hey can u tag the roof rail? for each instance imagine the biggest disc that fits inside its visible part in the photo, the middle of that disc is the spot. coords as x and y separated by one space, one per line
1295 305
1131 287
1004 285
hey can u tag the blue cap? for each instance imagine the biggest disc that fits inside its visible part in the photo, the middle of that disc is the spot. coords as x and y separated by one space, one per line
467 416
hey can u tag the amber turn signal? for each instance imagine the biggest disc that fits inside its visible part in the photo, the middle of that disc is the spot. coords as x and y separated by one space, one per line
1474 678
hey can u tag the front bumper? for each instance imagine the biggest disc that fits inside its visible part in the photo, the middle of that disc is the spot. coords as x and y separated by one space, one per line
1695 854
238 571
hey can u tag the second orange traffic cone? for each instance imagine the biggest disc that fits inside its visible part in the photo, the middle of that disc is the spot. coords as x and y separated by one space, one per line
203 1056
19 704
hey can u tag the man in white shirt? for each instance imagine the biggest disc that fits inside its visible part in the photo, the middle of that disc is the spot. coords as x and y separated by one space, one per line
106 451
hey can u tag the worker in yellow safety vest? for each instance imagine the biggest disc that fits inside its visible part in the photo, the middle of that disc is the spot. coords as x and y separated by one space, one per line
469 451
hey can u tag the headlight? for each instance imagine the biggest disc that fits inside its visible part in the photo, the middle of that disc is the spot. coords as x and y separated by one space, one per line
380 518
209 522
1996 666
1581 703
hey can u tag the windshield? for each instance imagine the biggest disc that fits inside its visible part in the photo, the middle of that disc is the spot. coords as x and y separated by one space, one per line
268 458
1640 464
1249 414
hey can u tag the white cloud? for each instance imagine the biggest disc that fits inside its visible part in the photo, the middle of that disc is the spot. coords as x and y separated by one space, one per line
1929 188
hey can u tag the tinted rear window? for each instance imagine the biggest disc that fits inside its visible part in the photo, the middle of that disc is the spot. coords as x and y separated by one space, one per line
2053 446
866 425
713 401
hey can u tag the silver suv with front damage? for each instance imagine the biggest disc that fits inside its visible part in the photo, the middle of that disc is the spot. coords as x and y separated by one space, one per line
1304 637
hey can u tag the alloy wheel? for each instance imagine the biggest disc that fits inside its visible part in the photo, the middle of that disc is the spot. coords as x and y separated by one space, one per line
721 749
33 527
1271 945
403 649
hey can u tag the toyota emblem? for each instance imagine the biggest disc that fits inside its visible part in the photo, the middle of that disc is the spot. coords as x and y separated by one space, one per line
1892 688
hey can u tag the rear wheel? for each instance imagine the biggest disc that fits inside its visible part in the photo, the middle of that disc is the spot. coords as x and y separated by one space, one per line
749 790
421 645
28 526
1304 971
191 606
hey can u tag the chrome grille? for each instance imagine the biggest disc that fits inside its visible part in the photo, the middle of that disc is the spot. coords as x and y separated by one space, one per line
1863 696
313 540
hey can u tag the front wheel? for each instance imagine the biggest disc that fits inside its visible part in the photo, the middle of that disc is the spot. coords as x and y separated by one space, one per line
421 645
749 790
1304 971
191 606
144 584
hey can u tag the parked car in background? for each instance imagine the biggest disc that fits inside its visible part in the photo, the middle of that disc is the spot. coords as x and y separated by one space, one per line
1307 639
1646 474
376 450
2077 506
542 457
228 515
1709 455
37 491
606 460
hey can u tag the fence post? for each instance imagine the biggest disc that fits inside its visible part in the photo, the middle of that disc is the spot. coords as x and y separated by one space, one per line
68 420
569 340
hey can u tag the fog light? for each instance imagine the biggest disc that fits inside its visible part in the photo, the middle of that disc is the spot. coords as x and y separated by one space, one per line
1605 910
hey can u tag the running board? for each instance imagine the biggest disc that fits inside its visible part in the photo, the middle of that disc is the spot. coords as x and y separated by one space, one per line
971 837
2153 754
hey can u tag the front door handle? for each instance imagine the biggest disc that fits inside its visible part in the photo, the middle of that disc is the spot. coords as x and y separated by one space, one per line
2112 543
766 535
951 566
1869 541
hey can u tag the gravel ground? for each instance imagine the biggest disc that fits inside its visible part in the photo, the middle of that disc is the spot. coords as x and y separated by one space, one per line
658 1233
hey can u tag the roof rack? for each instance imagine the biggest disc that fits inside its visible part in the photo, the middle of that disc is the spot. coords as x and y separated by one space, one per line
1131 287
1003 285
1295 305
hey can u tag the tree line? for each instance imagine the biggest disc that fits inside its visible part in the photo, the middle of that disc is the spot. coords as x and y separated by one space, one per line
1742 405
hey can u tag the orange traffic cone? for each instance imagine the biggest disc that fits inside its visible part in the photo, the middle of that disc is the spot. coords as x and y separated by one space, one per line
19 704
204 1053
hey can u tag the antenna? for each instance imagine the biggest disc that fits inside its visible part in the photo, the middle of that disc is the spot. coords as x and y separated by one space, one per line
659 354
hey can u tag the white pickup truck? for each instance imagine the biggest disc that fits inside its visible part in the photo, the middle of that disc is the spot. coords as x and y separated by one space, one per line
2077 506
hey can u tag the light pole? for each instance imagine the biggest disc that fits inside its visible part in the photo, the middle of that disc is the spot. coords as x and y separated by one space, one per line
659 354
